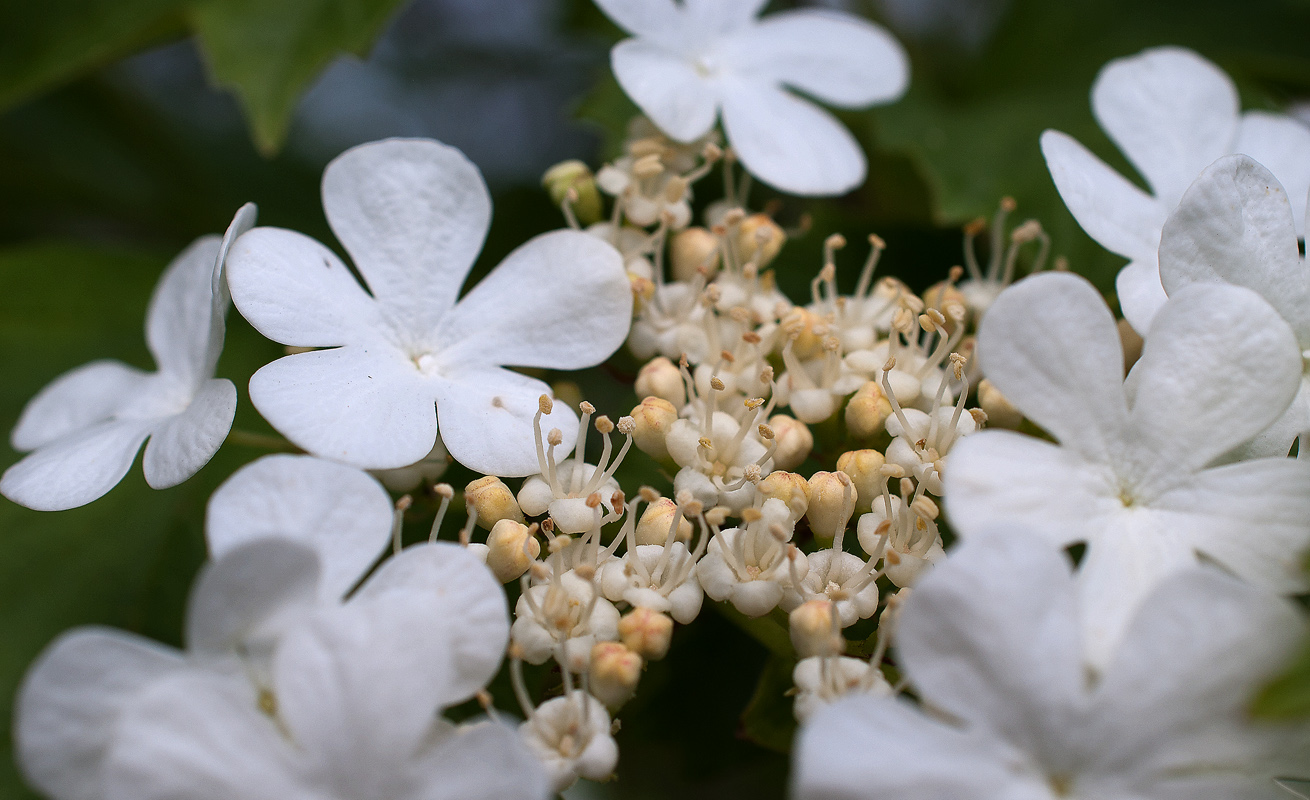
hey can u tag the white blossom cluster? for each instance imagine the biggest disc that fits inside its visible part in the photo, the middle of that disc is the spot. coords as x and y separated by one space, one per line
822 456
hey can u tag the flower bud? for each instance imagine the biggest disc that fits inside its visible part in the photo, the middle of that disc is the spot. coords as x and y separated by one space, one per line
653 527
691 251
614 673
788 487
941 294
800 323
759 239
646 633
832 502
814 630
653 417
511 549
661 378
867 411
794 441
864 468
493 501
1001 413
577 176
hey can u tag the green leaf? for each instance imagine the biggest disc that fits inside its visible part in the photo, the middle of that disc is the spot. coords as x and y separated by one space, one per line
45 43
269 52
1288 696
768 720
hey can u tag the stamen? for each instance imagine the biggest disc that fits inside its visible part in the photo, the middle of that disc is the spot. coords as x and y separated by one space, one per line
877 245
580 448
445 491
398 522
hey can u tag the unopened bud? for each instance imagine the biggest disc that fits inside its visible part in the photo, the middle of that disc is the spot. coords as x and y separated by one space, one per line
576 176
653 528
813 632
943 294
614 672
1001 413
653 418
790 488
832 502
511 550
865 470
493 501
868 411
692 251
646 633
759 239
794 441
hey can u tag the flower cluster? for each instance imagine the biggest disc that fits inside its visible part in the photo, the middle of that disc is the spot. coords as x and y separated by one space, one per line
823 458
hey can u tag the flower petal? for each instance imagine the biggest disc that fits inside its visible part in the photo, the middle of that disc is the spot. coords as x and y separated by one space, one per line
220 295
990 636
997 477
717 17
466 602
480 761
1235 225
182 444
1170 111
790 143
486 421
1218 367
248 594
562 300
413 214
297 292
200 735
1119 216
341 512
667 87
68 706
75 400
917 757
179 319
1140 294
76 469
1282 144
365 405
1050 345
837 58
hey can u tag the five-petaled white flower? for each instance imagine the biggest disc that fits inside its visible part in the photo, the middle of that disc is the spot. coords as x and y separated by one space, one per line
86 427
1236 225
690 61
1132 474
990 642
413 213
1172 113
349 706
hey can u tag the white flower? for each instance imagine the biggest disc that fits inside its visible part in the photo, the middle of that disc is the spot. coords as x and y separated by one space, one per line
87 426
822 679
748 566
351 710
990 642
693 60
1235 225
1172 113
571 737
563 619
413 214
1131 475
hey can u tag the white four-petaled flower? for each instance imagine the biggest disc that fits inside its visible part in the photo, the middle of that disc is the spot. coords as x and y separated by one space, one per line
693 60
413 213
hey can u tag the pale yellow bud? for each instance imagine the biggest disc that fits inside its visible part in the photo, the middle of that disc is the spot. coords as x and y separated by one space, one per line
578 177
653 528
794 441
788 487
493 501
801 324
511 550
646 633
653 417
759 239
1001 413
813 632
614 671
867 411
661 378
864 467
691 251
832 502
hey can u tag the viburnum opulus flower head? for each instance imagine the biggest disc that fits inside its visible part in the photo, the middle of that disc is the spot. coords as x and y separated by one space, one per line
1172 113
86 427
990 642
690 62
1133 471
412 213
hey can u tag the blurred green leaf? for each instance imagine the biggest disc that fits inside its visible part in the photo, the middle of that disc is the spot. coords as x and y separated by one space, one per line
768 720
1288 696
269 52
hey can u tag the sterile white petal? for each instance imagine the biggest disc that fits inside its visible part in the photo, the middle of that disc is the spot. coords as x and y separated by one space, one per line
180 445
